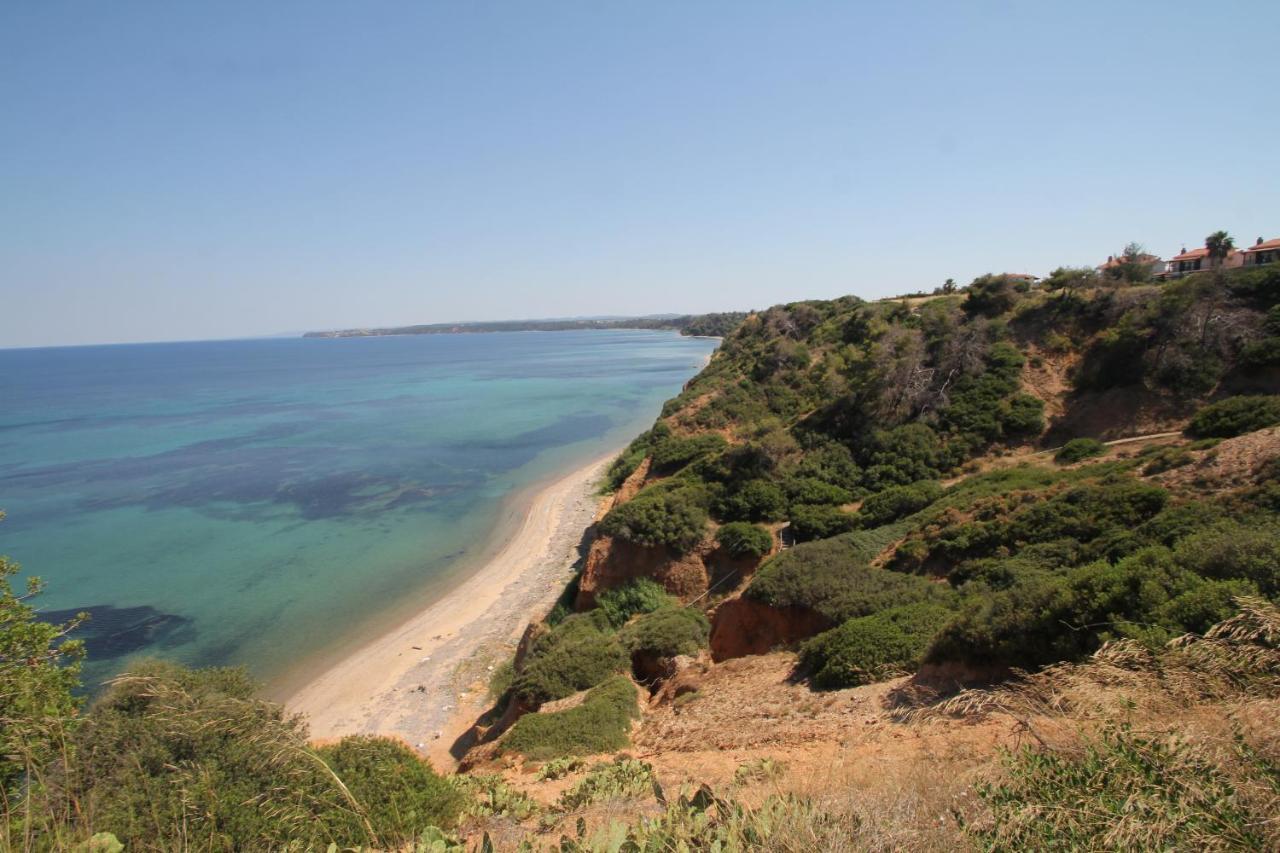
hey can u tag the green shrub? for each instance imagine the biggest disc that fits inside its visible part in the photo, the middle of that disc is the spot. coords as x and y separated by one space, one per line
667 632
1231 550
811 490
898 501
501 679
832 578
577 654
820 522
744 539
990 296
1235 416
1142 597
1166 459
674 452
675 517
754 500
1079 449
869 648
642 595
168 754
600 724
400 793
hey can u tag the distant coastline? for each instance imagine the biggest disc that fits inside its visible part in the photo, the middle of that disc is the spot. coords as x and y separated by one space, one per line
713 325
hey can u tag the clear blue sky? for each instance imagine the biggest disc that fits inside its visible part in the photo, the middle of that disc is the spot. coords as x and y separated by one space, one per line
183 170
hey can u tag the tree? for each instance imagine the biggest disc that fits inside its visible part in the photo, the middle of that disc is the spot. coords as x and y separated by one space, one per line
990 295
1220 244
949 286
1071 279
39 667
1133 264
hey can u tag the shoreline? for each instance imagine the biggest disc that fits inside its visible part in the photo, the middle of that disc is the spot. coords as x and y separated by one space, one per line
425 681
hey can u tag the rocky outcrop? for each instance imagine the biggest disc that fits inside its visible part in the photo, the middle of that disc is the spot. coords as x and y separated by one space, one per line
742 626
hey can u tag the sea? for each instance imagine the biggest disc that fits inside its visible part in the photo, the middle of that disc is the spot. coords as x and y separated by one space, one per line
266 502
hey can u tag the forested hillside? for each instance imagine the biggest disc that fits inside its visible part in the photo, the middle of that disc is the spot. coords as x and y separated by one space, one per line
906 534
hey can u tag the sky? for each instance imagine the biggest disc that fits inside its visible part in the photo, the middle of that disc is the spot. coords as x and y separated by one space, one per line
175 171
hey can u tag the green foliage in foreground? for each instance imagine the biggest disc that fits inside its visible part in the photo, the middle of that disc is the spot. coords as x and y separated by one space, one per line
667 632
744 539
871 648
1079 449
580 652
37 674
700 820
170 758
600 724
1235 416
399 793
1126 792
620 779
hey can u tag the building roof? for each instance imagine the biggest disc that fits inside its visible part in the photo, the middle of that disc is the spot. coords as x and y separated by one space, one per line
1201 252
1264 246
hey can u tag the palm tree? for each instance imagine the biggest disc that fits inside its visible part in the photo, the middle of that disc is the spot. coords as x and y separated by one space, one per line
1220 244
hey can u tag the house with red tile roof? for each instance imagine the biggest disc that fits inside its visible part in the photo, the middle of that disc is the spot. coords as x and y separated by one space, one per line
1198 259
1262 252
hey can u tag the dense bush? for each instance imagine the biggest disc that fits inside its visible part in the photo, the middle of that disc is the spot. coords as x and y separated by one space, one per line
1231 550
868 648
579 653
1079 449
754 500
600 724
399 791
1235 416
1047 618
641 595
811 490
990 296
744 539
896 502
674 452
673 516
667 632
820 522
832 578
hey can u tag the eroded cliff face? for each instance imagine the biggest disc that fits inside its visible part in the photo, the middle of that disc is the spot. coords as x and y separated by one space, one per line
612 563
741 626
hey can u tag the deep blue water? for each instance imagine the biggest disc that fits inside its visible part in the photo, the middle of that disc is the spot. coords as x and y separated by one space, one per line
254 502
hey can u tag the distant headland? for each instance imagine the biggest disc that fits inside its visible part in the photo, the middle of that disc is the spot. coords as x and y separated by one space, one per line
709 325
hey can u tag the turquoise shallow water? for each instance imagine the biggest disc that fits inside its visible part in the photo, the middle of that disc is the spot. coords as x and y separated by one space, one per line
255 502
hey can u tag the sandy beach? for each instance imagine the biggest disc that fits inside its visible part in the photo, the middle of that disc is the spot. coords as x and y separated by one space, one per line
425 681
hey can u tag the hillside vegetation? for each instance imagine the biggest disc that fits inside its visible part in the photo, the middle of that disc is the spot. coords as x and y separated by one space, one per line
862 526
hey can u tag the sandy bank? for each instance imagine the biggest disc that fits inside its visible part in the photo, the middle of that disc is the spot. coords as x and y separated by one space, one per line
425 680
